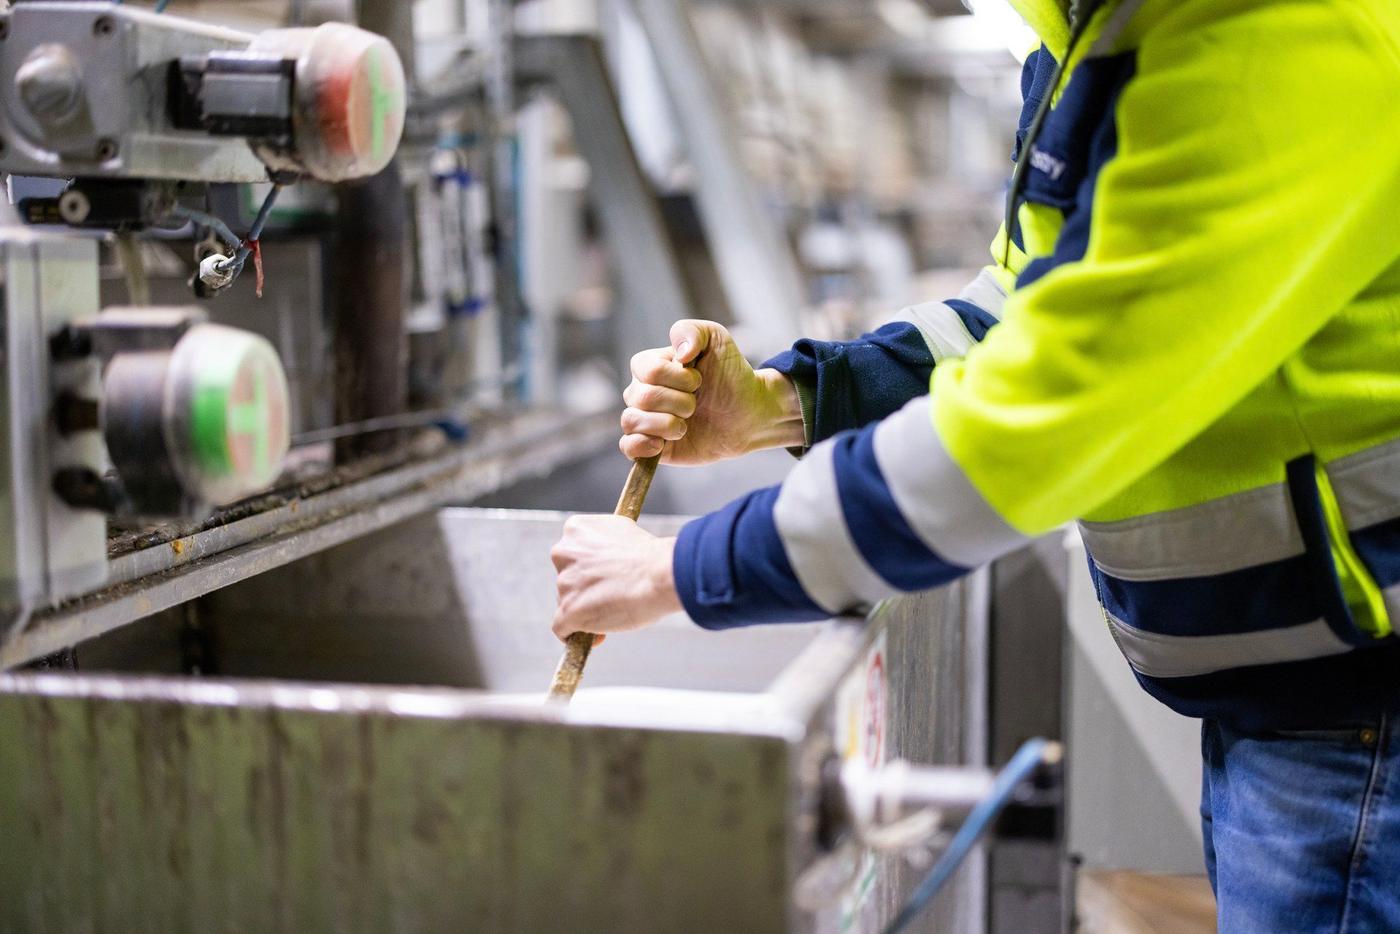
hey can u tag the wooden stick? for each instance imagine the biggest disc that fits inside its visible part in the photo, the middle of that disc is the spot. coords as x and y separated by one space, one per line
578 646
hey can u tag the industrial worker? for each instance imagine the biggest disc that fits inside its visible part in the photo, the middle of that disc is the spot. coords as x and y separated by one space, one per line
1189 342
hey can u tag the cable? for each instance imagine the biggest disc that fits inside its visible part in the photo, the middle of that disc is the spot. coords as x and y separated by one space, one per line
1027 759
421 419
245 246
1081 11
261 220
208 220
452 419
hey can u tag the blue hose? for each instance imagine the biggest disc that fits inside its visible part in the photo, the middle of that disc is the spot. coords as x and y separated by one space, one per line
1021 766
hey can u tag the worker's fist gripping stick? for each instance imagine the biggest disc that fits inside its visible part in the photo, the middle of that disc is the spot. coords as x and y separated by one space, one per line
698 401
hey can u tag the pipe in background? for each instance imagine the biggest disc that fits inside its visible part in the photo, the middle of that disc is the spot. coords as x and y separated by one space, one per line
368 295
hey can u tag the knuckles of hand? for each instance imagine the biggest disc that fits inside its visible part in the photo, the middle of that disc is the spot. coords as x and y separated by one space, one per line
574 580
652 370
657 367
649 398
637 446
657 424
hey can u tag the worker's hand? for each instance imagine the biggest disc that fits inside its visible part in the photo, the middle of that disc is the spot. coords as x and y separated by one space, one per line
613 576
699 401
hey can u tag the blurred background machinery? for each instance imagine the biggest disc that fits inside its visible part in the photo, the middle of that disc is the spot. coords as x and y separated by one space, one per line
287 283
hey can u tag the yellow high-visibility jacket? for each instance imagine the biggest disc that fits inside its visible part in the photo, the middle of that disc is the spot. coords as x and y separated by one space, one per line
1190 344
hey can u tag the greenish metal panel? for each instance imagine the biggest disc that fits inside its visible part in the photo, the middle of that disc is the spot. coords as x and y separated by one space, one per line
125 814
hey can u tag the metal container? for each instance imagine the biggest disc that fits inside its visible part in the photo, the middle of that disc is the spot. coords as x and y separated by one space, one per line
372 753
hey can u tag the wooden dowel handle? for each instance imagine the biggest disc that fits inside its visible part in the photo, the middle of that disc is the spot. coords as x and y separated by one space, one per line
634 491
578 646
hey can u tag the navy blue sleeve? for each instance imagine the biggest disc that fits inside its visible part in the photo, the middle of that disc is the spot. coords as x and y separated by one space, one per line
853 383
731 570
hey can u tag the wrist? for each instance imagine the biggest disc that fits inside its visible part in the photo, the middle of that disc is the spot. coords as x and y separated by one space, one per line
662 578
780 423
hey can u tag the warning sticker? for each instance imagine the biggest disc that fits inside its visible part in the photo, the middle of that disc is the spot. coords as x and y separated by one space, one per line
862 707
873 712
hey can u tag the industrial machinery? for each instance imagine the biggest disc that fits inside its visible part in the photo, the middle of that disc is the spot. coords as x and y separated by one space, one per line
147 411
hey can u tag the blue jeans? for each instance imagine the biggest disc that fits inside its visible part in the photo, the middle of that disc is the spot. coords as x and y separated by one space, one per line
1302 829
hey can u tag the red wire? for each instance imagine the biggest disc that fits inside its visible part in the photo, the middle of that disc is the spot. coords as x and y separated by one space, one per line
258 265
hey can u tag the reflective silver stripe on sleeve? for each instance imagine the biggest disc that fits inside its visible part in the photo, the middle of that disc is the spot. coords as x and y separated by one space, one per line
1215 537
819 547
933 493
942 328
1367 485
1392 604
985 292
1159 656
